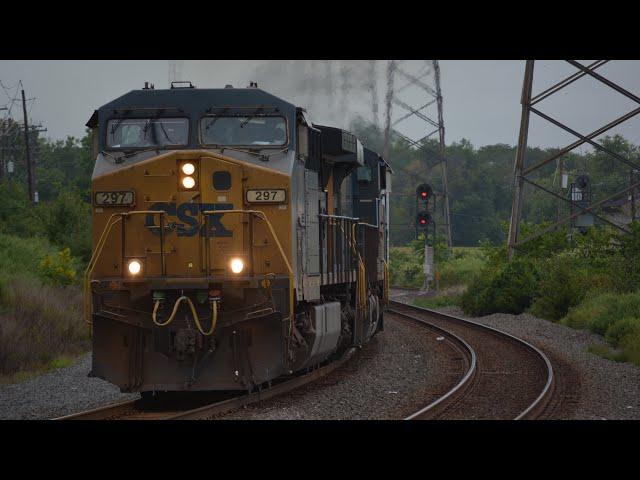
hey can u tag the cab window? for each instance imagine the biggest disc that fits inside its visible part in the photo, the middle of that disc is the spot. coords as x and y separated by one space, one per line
147 132
251 130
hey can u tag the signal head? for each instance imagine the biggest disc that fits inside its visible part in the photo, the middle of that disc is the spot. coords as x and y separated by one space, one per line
424 191
582 182
423 219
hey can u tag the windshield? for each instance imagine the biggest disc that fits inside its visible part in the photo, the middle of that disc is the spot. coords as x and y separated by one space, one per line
147 132
243 130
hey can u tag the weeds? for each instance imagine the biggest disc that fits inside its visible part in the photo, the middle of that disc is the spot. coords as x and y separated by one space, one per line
438 301
41 325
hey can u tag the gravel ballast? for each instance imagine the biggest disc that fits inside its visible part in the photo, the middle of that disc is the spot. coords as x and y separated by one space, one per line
400 371
597 388
57 393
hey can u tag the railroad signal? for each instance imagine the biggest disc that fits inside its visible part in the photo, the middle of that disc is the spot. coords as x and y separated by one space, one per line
423 219
424 192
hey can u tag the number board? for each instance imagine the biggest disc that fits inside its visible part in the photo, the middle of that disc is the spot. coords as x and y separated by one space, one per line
266 195
115 199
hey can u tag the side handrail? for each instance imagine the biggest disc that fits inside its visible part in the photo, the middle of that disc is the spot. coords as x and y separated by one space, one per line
260 214
114 219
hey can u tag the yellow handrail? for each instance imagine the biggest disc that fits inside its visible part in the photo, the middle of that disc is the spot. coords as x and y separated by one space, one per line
385 294
119 216
262 215
88 301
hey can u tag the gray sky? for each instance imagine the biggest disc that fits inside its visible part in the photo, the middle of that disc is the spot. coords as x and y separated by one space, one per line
481 98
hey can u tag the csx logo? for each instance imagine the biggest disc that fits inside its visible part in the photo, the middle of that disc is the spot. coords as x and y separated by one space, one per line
187 214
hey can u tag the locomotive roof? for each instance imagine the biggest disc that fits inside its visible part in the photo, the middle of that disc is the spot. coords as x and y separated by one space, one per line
370 155
192 100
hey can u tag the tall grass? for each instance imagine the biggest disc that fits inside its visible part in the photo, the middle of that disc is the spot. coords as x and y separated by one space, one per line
38 324
464 264
461 266
22 256
617 317
40 320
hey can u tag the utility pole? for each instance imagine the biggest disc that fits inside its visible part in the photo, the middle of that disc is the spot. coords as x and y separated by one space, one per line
30 172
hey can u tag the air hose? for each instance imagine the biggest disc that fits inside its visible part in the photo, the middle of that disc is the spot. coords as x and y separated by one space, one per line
214 317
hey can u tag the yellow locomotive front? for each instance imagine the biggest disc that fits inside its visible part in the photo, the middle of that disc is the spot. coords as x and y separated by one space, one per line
192 244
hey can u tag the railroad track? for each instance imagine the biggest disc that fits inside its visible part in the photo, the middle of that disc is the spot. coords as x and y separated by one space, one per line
200 407
505 377
500 377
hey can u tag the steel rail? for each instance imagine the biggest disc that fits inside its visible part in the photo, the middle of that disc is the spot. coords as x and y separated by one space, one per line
534 409
466 379
115 411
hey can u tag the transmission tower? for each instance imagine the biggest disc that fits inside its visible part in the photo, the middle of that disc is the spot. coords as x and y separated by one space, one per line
522 172
421 82
175 71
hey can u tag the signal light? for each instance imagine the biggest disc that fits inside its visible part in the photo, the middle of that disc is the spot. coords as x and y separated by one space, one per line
423 219
424 191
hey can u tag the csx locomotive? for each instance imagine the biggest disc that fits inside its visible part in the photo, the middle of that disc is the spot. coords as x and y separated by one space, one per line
235 241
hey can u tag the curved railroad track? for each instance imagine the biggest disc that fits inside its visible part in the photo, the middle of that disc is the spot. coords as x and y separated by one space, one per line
202 406
505 378
499 377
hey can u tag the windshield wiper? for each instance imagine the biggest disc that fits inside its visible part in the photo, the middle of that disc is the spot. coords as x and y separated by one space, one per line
165 133
215 119
131 153
251 116
262 156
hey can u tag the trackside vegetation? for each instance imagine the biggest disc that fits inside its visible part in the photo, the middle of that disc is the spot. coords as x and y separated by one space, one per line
43 250
590 282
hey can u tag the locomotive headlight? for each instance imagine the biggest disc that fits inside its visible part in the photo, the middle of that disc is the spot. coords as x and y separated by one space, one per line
237 265
135 267
188 169
188 182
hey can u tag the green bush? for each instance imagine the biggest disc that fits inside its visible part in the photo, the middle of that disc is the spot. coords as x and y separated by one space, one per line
59 269
622 328
624 336
508 288
67 224
22 255
597 313
630 345
627 263
461 267
405 269
35 257
565 280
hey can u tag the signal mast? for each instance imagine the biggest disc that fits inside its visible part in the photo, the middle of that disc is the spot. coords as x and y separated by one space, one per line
424 194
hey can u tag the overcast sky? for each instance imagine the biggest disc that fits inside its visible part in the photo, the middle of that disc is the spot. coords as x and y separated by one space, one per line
481 98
